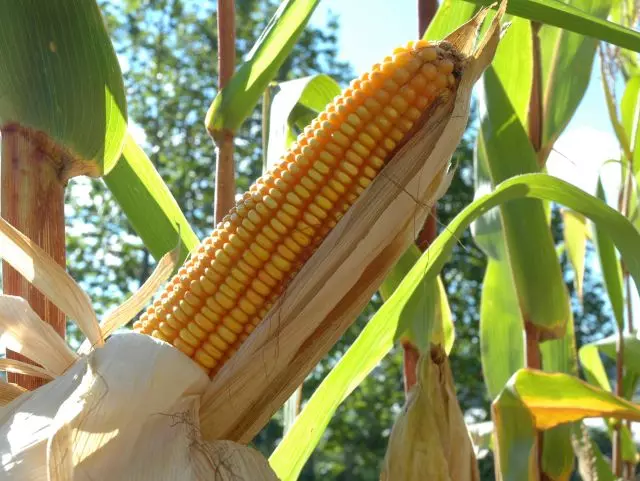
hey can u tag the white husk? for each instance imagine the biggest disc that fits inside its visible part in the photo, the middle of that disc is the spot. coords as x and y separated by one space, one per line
127 412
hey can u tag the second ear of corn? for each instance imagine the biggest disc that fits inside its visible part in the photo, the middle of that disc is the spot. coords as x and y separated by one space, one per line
237 273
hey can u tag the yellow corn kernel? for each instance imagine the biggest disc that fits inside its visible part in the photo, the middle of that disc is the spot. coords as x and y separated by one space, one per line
222 292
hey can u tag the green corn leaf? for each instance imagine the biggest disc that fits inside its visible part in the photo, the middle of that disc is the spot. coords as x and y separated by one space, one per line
575 239
567 61
631 350
234 103
562 15
536 272
148 204
630 111
630 381
612 110
486 229
449 16
515 44
596 375
611 271
377 338
593 368
500 325
534 400
295 105
59 74
559 355
629 450
446 334
557 453
426 307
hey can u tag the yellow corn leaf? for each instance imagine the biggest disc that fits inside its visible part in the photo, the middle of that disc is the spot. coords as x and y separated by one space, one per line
536 401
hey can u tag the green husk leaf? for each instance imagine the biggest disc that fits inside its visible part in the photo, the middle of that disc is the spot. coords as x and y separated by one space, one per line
427 313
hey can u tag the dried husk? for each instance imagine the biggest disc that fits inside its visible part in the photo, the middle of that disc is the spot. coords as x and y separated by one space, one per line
429 439
35 265
338 281
127 411
126 311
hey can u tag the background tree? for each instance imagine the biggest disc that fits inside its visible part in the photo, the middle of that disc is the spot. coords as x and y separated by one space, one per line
168 52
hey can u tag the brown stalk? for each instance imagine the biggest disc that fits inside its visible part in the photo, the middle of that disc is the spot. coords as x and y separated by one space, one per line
225 176
32 200
426 11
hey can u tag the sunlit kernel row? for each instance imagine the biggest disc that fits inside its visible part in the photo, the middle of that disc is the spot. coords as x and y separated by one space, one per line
227 287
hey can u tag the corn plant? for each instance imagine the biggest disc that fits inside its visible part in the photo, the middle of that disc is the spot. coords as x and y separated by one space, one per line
249 311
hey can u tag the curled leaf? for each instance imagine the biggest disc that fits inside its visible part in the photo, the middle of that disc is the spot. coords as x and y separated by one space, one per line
13 365
9 392
126 311
22 331
36 266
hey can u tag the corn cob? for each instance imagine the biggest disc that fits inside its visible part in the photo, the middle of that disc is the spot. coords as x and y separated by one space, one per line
227 287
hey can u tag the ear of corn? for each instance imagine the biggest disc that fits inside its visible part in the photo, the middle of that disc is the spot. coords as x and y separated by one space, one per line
227 287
